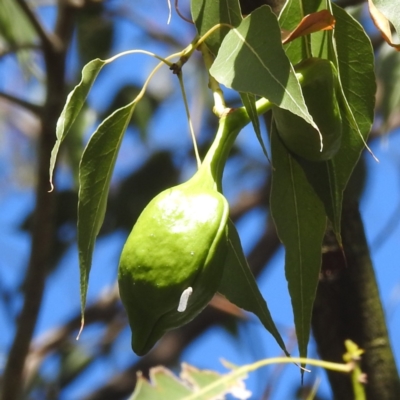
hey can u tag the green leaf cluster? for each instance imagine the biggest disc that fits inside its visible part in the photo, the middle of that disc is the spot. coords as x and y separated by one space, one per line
251 59
248 57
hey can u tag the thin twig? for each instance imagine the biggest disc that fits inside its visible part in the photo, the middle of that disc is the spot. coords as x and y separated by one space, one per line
192 134
219 101
34 108
180 14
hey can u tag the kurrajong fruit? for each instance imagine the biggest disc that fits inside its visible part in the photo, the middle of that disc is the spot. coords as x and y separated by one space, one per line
320 92
172 262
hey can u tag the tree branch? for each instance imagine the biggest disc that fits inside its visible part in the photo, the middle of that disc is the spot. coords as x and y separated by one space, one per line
34 108
105 310
49 41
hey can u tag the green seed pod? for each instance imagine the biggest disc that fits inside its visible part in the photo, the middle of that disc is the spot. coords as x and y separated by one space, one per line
172 262
320 95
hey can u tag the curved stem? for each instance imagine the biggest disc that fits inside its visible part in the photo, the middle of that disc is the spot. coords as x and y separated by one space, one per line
219 101
217 155
239 372
229 127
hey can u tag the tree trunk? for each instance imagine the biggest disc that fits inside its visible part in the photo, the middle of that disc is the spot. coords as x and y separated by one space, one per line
348 306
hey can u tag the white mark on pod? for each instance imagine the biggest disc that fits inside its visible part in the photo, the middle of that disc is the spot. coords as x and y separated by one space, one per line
183 301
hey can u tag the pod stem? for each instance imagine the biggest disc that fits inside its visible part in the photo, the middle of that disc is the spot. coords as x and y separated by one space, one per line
230 124
216 157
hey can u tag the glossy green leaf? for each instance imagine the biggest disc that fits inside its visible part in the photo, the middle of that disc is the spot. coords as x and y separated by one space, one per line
289 18
239 286
249 102
321 42
356 70
300 219
355 63
303 192
310 6
208 13
322 177
305 46
73 106
251 59
95 172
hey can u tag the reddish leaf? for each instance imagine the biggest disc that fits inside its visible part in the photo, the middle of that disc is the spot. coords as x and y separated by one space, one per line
383 24
221 303
319 21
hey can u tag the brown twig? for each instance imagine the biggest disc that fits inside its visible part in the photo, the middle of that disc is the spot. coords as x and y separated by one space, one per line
106 309
34 108
180 14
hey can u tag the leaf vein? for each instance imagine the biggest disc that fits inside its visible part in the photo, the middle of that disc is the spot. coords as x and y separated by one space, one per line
269 71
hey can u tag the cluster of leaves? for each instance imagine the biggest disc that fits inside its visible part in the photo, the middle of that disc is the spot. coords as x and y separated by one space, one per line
255 65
